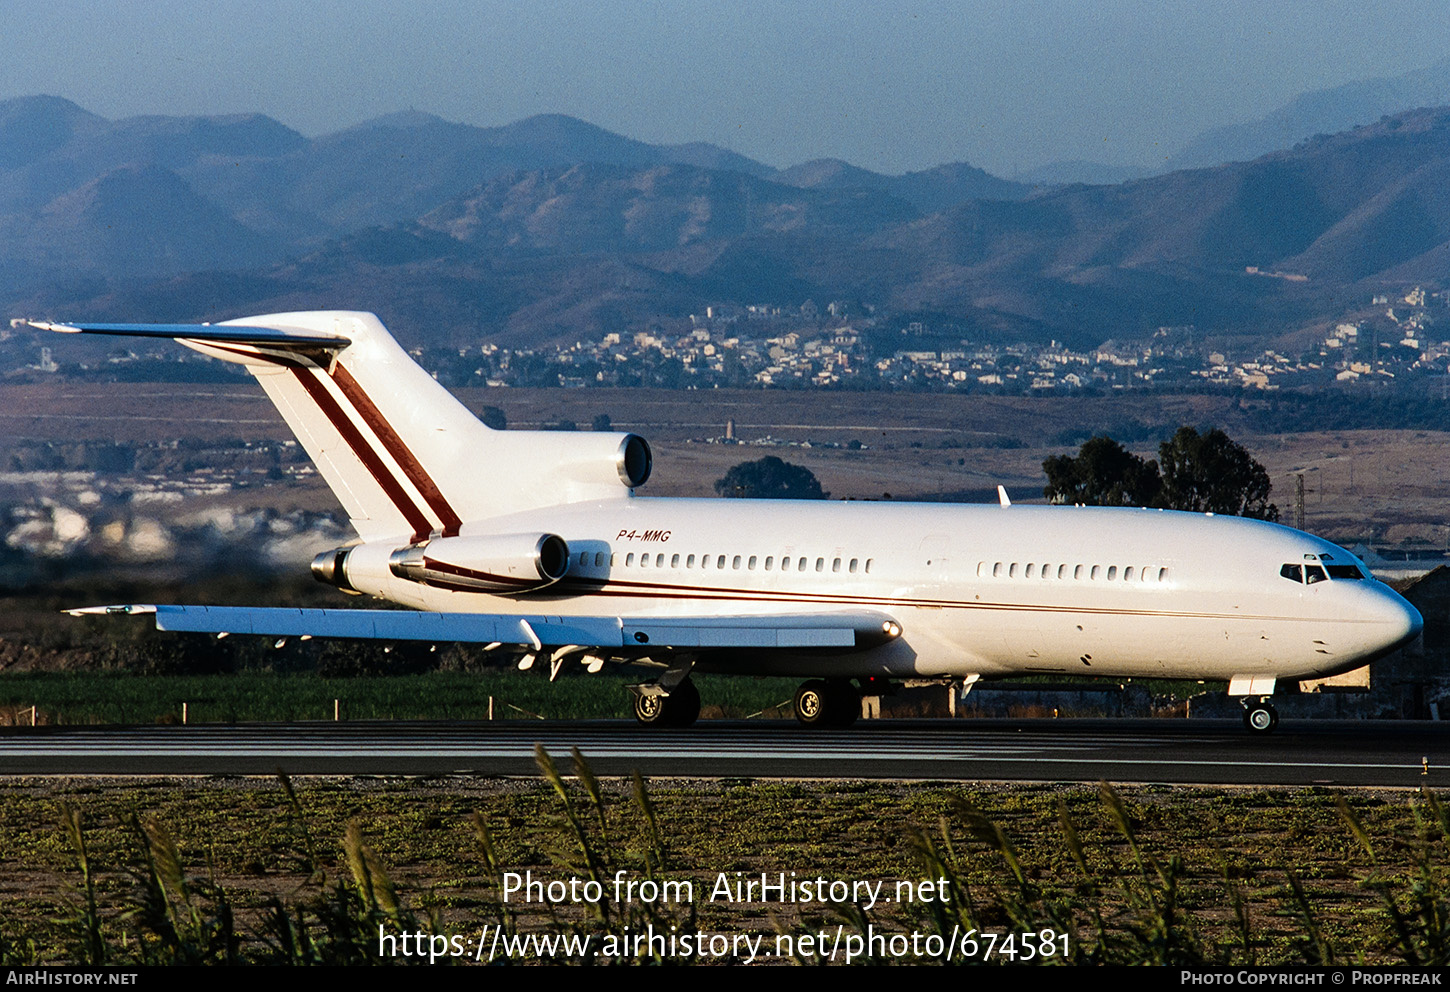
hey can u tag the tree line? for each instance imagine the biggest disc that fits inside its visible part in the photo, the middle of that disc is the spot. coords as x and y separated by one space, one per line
1202 473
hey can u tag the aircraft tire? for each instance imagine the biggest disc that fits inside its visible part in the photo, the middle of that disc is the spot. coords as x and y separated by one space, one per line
651 711
1260 718
682 707
844 703
813 703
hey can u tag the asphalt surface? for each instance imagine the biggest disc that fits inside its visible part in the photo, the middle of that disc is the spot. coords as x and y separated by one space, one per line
1210 752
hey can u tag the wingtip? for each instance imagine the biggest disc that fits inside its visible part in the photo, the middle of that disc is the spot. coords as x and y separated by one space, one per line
43 325
125 609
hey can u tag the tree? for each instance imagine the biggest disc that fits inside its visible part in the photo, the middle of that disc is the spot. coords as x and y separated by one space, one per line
770 478
1103 473
1211 473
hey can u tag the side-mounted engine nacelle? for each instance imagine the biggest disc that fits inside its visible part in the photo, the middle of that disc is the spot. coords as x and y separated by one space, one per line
497 563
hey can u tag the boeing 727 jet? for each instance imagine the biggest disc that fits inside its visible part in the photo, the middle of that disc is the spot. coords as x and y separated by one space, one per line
534 543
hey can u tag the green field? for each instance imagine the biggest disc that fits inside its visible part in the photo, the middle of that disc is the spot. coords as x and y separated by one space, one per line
249 871
113 697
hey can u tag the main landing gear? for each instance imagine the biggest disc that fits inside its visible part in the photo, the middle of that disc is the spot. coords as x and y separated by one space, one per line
818 703
827 703
654 707
1260 717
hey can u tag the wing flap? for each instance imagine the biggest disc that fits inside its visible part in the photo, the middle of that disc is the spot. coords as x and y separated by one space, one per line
837 630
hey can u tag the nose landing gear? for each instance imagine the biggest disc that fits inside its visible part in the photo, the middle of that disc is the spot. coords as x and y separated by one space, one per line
1260 717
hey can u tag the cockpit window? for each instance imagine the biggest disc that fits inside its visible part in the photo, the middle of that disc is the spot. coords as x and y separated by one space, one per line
1319 573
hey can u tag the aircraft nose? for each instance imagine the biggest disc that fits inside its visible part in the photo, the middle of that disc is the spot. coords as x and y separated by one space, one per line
1401 622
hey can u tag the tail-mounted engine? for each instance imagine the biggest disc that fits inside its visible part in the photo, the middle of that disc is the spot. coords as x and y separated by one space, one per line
497 563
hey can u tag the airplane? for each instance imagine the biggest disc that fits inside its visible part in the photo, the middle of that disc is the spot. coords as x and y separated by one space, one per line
534 543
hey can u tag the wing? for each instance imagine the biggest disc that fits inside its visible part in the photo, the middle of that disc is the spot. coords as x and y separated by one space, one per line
611 634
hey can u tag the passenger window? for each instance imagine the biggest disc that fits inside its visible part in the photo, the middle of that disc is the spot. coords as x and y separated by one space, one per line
598 559
690 562
856 561
1112 572
800 565
1031 569
629 559
644 561
659 561
868 563
1012 570
1096 570
836 565
820 564
735 562
1077 571
1128 574
769 561
751 563
997 570
720 562
674 561
785 563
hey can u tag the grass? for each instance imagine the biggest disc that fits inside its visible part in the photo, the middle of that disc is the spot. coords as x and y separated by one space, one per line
268 871
114 697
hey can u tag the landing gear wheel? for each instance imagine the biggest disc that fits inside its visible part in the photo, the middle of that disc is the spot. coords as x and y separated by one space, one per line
649 710
812 703
845 703
1260 718
682 707
834 703
679 709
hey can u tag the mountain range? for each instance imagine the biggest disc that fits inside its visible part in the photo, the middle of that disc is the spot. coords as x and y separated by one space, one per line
554 229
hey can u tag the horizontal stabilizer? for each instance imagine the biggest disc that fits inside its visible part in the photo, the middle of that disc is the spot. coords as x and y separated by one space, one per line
230 333
704 633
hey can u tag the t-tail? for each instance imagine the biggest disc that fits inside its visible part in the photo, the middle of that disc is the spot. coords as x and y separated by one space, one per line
406 459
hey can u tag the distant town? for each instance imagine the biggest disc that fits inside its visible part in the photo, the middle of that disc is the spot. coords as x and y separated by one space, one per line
1391 339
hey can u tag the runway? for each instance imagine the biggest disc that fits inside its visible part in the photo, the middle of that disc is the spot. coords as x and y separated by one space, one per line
1331 753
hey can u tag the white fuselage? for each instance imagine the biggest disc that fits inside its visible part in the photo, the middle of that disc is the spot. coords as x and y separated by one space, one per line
975 590
978 590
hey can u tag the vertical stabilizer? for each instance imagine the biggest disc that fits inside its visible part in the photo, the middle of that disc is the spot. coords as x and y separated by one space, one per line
404 456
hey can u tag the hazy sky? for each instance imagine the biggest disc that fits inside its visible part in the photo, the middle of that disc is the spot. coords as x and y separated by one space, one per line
892 86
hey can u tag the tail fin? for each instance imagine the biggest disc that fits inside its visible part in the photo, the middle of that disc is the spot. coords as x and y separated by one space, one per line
401 453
